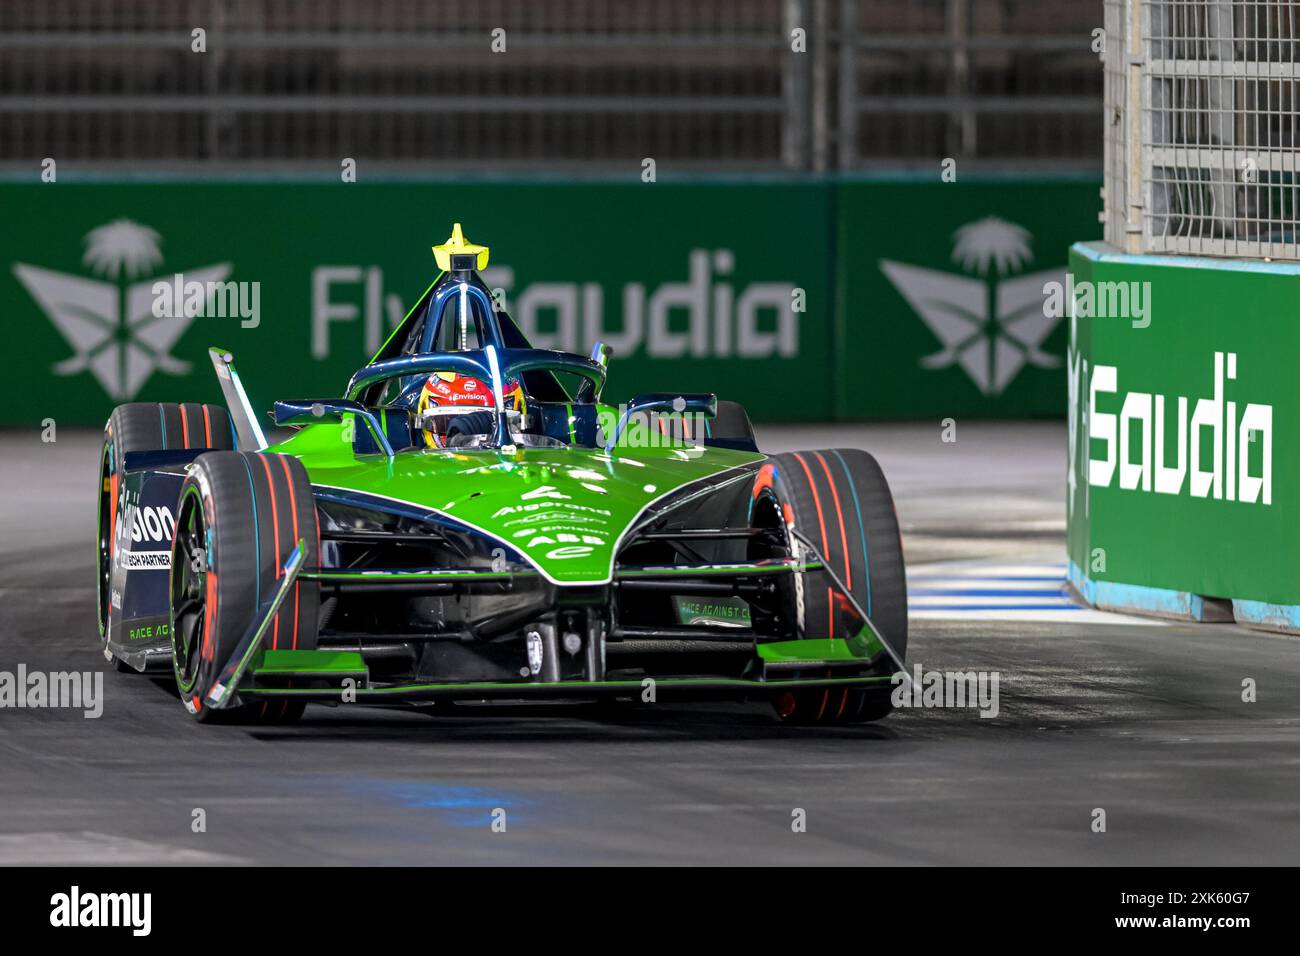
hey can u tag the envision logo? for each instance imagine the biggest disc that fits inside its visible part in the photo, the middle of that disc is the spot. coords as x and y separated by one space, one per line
990 326
1142 463
111 326
153 525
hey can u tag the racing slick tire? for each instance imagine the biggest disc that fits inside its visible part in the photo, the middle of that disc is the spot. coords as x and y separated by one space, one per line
237 520
839 499
144 426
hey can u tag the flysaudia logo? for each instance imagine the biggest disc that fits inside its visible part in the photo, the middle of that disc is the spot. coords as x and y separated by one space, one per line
708 315
991 324
111 326
1113 432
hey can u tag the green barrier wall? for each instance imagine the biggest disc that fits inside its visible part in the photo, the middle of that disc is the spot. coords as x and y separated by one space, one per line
1210 382
804 299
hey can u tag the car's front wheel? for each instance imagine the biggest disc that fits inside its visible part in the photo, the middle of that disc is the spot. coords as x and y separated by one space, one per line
839 500
239 516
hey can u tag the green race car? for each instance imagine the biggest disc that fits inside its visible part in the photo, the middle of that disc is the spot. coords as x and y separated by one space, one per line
469 521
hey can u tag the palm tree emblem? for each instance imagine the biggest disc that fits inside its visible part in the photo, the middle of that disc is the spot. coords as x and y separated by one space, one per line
991 241
122 246
110 325
989 322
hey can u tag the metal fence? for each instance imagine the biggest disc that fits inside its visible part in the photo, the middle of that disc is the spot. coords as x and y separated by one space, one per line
1202 119
717 84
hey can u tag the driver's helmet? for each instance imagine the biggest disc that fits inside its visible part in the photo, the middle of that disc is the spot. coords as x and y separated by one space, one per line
449 395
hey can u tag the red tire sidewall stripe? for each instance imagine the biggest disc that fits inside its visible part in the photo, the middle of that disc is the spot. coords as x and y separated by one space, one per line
275 528
112 507
185 428
844 543
293 511
209 613
839 514
207 429
830 592
112 526
821 523
211 610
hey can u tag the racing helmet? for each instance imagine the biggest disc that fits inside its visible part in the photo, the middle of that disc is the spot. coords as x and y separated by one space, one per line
446 396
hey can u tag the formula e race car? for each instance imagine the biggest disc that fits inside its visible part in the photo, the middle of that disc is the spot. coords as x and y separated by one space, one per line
470 522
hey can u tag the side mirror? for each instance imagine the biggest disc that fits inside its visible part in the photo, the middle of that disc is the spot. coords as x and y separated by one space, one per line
309 411
700 403
697 403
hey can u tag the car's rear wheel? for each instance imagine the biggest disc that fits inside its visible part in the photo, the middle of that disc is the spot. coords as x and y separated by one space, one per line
137 427
839 499
239 517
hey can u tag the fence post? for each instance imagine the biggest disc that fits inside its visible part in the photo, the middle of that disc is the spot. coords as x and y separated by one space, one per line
962 119
847 134
1138 155
794 89
821 69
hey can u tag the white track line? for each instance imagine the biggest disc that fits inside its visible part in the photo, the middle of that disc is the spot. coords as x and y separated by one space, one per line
1001 591
86 847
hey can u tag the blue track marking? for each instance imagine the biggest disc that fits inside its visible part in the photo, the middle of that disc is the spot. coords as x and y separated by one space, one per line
458 805
1014 607
989 589
978 592
1004 590
1055 578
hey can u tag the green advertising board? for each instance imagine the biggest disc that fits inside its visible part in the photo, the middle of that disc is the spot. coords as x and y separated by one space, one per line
940 292
1182 472
770 292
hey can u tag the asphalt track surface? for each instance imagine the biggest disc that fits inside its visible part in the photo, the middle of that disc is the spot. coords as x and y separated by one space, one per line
1145 722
